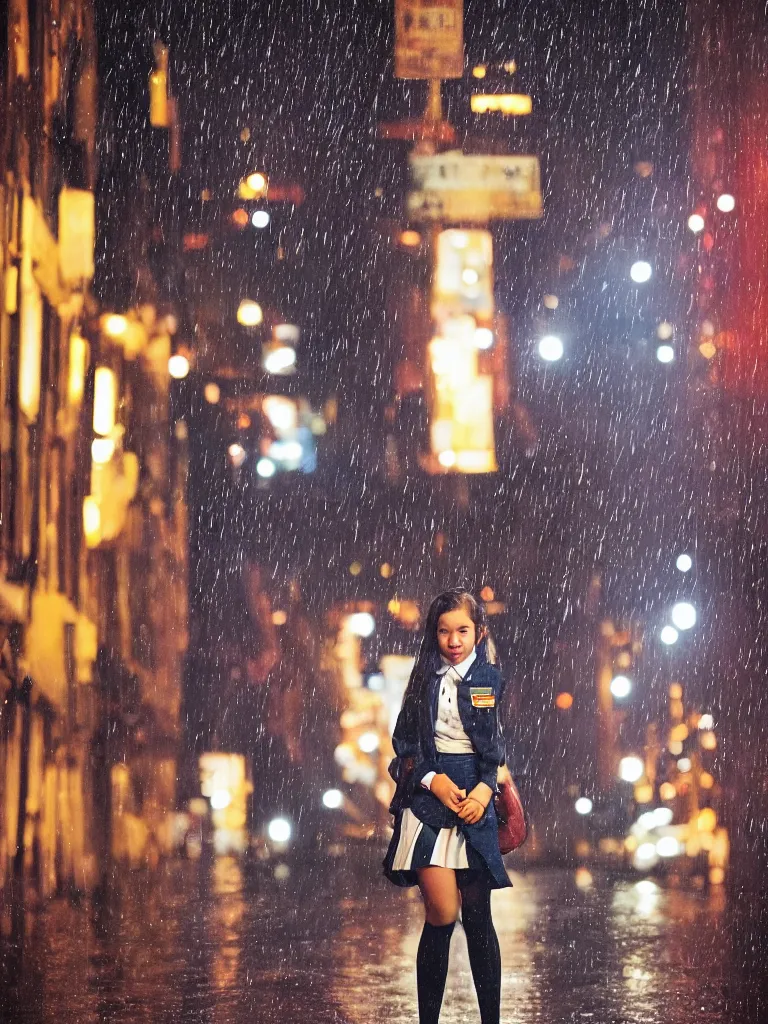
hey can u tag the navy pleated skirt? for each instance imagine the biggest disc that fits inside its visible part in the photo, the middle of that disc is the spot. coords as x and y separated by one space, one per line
430 834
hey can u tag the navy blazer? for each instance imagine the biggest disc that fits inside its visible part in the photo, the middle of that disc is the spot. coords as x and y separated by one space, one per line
414 734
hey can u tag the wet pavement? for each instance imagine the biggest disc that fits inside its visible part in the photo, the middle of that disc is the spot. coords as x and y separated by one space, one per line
213 943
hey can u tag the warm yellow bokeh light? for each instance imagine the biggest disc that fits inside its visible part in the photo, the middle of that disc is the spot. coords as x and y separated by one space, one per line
249 313
115 325
257 182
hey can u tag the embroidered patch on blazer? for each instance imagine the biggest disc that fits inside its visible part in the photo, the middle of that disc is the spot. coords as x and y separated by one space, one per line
482 697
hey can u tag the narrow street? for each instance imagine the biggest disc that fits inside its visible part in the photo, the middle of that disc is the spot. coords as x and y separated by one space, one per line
204 942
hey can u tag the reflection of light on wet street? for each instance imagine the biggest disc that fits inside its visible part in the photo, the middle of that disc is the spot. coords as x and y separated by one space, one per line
222 944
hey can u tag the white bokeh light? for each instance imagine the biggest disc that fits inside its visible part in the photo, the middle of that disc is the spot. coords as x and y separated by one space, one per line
368 742
641 271
668 846
583 805
631 769
621 686
361 623
669 635
279 830
726 203
665 354
684 562
260 218
220 798
684 615
551 348
333 798
696 223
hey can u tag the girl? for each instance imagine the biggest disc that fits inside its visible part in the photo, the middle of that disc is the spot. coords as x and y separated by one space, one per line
446 837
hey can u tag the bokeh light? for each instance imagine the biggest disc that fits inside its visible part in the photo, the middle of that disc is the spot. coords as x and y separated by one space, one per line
551 348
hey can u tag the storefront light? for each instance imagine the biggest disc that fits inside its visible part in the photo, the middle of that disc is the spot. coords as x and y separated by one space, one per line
102 450
220 799
91 522
104 401
78 358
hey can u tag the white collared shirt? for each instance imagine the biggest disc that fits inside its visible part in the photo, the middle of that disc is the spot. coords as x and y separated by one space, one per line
450 737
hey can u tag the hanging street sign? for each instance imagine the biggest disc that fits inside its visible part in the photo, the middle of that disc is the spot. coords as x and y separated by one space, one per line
429 38
474 189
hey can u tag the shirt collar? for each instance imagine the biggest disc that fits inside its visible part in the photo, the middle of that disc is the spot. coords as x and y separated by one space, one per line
462 668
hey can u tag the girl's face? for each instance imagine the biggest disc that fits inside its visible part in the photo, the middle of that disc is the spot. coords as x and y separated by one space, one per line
456 635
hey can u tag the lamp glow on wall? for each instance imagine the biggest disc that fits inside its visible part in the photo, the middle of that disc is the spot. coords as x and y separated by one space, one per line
104 401
31 330
78 359
91 521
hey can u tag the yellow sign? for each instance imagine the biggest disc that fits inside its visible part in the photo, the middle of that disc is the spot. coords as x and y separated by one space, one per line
514 104
461 427
461 397
474 189
429 38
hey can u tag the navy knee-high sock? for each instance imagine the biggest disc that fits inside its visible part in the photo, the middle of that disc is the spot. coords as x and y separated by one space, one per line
484 956
432 969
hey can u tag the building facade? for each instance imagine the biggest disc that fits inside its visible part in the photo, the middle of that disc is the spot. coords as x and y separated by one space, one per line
92 496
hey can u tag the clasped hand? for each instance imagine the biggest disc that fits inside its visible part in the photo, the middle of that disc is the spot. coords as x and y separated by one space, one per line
471 806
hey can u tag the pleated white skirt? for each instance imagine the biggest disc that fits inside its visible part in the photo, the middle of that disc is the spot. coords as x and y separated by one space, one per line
449 850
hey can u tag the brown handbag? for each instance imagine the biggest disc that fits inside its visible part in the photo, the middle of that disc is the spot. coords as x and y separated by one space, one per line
513 824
